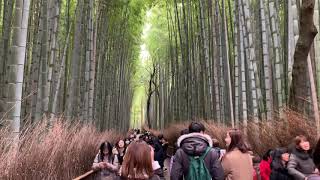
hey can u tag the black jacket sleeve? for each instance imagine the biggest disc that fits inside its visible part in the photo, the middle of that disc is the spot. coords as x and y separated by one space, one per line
177 167
215 169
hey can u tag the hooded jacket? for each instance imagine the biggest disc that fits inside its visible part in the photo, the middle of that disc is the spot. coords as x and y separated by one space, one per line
279 170
195 144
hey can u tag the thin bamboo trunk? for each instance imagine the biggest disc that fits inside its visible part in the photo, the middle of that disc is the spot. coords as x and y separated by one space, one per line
215 68
92 66
207 84
73 88
276 47
237 65
243 69
57 87
44 59
53 54
250 53
16 66
4 41
266 63
227 62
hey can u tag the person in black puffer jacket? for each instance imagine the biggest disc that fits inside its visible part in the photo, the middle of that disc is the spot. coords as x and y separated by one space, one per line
279 162
195 144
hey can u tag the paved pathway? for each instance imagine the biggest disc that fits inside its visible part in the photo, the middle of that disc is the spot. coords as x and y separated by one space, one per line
167 173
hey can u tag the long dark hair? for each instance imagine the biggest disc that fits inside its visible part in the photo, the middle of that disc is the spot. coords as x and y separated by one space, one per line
237 141
267 155
103 146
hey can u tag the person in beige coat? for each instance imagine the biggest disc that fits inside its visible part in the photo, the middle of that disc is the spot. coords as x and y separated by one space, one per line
237 163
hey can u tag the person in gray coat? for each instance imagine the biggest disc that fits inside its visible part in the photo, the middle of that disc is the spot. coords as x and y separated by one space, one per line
195 144
300 164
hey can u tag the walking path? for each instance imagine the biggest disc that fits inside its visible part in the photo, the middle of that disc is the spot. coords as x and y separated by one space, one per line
167 172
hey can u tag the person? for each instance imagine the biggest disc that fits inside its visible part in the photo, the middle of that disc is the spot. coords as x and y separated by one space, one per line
164 144
237 162
316 155
105 162
216 146
256 166
159 154
265 169
279 163
182 132
127 142
138 163
132 137
194 145
300 164
120 150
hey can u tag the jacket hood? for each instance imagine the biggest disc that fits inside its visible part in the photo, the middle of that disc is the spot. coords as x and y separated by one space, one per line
194 144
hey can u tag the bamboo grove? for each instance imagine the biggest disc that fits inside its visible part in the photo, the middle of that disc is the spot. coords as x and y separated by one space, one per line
79 60
229 61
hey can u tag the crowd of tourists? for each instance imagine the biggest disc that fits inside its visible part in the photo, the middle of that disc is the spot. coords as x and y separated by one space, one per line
198 156
138 157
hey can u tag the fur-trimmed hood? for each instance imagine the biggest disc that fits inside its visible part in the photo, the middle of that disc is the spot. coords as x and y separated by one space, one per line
194 144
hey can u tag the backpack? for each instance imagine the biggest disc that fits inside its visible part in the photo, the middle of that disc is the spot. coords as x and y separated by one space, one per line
197 167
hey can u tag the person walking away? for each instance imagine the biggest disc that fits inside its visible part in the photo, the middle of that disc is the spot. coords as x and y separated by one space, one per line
105 162
138 163
279 163
237 163
265 169
195 159
300 164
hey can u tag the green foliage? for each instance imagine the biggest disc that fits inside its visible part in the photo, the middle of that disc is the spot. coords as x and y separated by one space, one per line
157 40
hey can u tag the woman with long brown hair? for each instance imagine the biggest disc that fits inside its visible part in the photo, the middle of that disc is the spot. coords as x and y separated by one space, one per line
138 162
237 163
120 150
